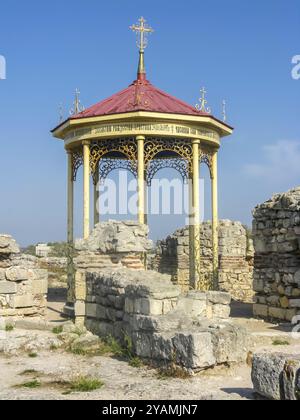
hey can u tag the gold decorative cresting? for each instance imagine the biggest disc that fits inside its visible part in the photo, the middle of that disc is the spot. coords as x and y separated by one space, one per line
142 30
203 102
77 106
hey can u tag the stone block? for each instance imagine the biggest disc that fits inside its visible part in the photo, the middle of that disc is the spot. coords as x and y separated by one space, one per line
291 379
221 298
266 375
277 313
80 285
91 310
17 274
192 307
7 287
80 308
40 287
294 303
23 301
260 310
194 350
221 311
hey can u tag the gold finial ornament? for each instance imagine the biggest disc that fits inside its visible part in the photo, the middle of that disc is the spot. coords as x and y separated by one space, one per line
203 102
77 106
224 111
142 30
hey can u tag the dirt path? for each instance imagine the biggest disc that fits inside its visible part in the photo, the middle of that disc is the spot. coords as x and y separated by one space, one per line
121 381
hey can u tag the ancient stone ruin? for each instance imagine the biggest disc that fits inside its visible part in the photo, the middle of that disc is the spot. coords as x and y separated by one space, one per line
23 285
235 258
163 324
276 231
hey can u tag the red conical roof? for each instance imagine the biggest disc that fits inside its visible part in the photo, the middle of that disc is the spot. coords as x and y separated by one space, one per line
141 95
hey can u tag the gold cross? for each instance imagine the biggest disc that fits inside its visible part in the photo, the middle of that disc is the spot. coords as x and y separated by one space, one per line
142 31
77 104
203 102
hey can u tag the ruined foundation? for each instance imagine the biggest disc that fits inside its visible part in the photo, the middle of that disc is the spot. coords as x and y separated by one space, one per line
164 325
23 285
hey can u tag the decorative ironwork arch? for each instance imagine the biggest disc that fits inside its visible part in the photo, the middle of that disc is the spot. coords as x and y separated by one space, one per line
206 156
154 146
125 146
181 165
77 161
108 165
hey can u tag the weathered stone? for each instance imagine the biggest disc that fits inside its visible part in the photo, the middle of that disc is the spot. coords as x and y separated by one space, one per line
260 310
23 301
194 351
40 287
8 245
7 288
276 376
267 370
17 274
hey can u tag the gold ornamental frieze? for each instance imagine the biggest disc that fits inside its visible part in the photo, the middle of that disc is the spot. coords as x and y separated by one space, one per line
153 129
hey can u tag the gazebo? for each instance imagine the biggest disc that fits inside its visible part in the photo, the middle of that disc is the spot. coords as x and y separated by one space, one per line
143 129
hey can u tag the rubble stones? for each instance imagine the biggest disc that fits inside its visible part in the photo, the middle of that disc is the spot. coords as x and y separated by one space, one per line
23 285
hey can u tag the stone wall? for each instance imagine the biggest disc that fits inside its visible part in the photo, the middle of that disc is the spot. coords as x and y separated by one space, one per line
235 258
144 307
116 296
276 230
23 285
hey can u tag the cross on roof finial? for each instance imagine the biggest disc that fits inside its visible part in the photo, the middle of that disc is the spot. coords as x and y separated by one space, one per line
142 31
203 102
77 104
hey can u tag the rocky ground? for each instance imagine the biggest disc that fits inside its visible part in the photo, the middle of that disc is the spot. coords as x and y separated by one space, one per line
45 364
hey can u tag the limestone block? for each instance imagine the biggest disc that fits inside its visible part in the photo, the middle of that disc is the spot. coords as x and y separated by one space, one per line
194 350
142 345
40 287
145 306
80 308
291 379
23 301
276 376
294 303
162 347
221 311
8 245
192 307
231 343
2 274
17 274
277 313
91 310
7 287
260 310
80 285
266 375
221 298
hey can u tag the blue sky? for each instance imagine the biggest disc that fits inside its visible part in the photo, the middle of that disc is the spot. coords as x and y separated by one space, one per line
238 49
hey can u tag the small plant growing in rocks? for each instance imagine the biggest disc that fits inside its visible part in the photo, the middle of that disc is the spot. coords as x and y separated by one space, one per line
57 330
32 384
9 328
280 343
32 355
85 384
